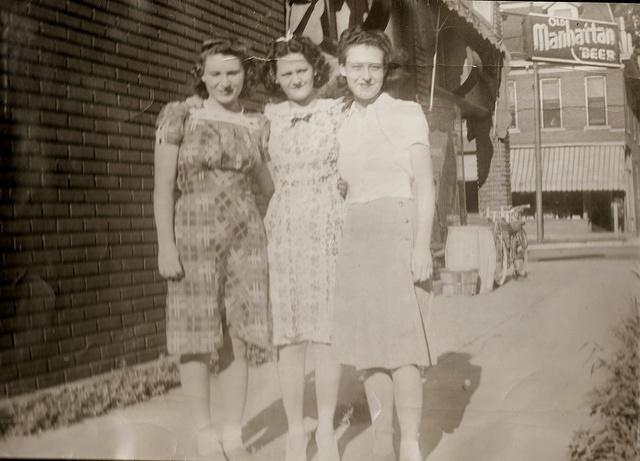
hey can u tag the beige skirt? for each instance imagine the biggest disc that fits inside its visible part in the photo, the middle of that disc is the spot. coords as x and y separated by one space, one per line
377 319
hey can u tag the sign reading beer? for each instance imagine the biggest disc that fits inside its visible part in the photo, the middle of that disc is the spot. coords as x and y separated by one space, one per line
578 41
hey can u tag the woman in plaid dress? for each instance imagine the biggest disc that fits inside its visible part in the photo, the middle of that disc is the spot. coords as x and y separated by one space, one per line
212 245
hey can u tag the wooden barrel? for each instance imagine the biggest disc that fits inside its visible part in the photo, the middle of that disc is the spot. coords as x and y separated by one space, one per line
486 258
461 249
472 247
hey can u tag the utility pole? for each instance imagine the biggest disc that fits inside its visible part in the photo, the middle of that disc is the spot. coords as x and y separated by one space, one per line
538 153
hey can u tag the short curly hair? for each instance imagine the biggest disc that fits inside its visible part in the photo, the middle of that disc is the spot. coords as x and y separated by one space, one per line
296 44
230 47
357 35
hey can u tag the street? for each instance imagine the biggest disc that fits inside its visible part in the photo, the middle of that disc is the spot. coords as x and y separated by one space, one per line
512 379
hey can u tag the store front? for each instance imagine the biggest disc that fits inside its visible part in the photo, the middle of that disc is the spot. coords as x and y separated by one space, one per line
584 187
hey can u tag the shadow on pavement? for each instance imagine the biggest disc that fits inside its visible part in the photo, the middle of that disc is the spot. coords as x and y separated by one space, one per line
447 392
448 389
271 423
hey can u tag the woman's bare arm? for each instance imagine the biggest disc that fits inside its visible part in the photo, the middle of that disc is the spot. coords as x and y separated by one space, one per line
165 169
263 179
425 207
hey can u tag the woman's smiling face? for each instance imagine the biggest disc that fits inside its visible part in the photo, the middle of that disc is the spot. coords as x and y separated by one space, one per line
223 75
364 70
294 74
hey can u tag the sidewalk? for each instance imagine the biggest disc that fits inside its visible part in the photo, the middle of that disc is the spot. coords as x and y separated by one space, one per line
602 240
513 375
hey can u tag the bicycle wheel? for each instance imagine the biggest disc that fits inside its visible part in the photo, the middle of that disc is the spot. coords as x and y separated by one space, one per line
502 260
522 260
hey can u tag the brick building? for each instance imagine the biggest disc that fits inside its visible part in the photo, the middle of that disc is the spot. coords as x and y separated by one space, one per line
82 83
585 168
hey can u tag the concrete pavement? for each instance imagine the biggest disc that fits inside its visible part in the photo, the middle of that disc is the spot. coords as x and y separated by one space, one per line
512 380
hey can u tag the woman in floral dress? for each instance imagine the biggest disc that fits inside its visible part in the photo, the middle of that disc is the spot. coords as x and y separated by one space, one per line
212 245
303 224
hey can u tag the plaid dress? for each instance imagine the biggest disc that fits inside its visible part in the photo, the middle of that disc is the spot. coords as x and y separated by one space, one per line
218 229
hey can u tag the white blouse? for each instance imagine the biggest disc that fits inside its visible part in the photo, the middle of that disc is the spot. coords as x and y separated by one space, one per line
374 141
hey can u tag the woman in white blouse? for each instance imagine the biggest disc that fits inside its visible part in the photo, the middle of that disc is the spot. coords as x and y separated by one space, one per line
385 161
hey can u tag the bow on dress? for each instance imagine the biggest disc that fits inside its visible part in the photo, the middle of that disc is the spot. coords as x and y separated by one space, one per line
295 120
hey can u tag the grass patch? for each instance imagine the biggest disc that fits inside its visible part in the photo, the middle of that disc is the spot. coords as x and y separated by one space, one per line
74 402
614 434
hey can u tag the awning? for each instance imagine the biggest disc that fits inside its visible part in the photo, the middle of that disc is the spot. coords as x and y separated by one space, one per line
569 168
485 31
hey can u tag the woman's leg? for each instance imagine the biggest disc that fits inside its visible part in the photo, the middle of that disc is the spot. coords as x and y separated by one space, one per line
407 387
291 368
379 389
327 382
195 385
233 387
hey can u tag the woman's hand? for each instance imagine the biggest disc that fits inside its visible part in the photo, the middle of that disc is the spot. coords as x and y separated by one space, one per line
421 263
169 263
343 187
194 101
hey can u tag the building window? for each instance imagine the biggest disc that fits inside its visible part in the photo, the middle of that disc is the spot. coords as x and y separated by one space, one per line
595 89
513 103
551 103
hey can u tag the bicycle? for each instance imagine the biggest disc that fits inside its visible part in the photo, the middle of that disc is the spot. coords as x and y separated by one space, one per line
511 243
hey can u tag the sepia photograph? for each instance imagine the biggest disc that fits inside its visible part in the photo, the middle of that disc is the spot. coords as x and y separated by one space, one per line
320 230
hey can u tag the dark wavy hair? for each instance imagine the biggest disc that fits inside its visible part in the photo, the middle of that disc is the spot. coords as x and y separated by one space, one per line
229 47
296 44
392 59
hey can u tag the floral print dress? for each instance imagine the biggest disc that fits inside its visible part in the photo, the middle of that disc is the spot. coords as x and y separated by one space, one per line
303 221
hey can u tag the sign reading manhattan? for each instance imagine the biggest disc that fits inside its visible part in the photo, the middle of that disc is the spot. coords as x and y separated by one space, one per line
578 41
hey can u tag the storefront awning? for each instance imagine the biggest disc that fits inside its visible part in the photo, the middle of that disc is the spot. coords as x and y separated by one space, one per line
569 168
466 12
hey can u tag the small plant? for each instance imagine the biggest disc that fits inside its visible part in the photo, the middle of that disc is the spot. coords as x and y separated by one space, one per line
75 402
615 433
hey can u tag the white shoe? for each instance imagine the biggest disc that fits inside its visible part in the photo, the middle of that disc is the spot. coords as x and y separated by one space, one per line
232 443
208 444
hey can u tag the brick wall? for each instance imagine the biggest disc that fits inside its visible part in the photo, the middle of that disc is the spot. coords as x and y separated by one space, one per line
82 83
496 190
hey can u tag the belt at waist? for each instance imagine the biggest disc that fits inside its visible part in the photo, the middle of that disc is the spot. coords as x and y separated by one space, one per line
305 181
215 180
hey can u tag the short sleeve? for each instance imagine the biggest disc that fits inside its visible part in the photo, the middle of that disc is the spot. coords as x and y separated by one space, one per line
414 128
170 123
404 123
